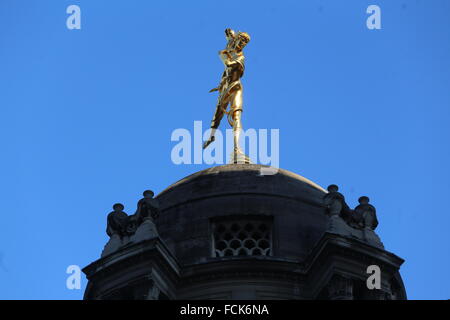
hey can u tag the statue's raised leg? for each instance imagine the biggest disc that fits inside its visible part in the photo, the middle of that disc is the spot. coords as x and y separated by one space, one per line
218 115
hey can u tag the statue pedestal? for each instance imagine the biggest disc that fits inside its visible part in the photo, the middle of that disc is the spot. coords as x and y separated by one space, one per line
238 157
337 225
113 245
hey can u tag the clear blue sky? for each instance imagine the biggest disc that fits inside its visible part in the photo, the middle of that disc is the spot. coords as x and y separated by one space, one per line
87 115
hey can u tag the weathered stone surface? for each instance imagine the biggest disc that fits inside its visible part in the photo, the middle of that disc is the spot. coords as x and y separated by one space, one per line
295 203
147 230
113 244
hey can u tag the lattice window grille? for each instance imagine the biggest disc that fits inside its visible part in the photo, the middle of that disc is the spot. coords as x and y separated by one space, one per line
242 238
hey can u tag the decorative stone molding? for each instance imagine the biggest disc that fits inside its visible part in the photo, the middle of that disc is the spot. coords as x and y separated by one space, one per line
144 271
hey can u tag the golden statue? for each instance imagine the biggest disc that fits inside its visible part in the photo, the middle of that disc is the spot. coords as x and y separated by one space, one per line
230 91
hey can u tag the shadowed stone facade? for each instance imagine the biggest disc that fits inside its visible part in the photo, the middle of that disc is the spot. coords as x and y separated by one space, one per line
229 232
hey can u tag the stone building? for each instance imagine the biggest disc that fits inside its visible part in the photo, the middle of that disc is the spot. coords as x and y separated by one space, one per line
230 232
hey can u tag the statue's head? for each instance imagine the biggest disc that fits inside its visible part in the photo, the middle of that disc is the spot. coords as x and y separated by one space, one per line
333 188
148 194
364 205
118 207
241 40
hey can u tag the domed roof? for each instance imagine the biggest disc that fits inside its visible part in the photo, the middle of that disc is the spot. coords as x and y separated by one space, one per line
189 206
233 178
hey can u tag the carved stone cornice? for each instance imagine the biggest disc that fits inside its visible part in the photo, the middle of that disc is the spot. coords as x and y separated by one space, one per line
134 263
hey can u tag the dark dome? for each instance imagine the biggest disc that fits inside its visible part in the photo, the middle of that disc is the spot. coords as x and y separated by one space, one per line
292 203
230 232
